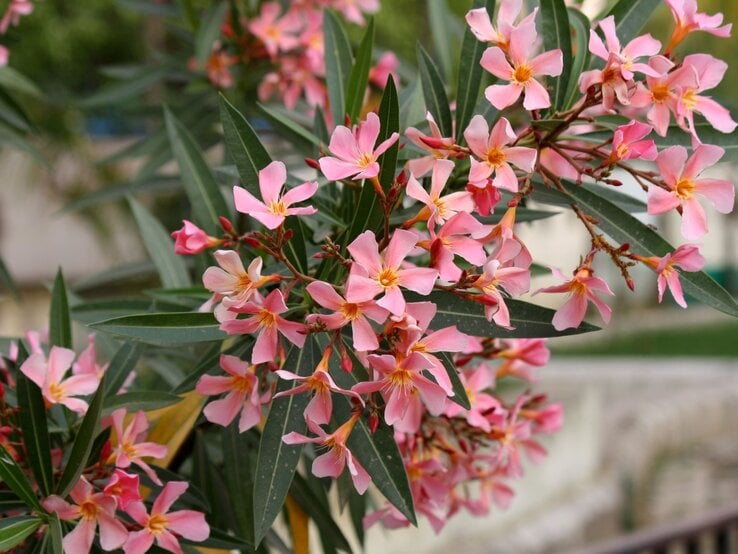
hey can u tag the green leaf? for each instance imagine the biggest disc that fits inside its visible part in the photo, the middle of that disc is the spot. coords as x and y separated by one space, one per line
239 462
206 199
359 78
295 133
14 530
13 80
54 534
549 195
145 400
434 92
12 475
460 397
6 280
708 135
527 320
60 324
631 16
556 34
243 145
624 228
219 540
208 32
164 328
581 26
160 246
126 90
470 73
337 63
440 17
277 461
124 361
32 419
83 441
295 249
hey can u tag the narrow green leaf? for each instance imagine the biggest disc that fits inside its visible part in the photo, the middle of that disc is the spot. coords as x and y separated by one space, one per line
54 545
60 324
208 32
708 135
295 249
527 320
320 129
164 328
14 530
389 119
626 202
125 90
556 34
206 199
83 441
220 540
470 73
631 16
359 77
295 133
6 280
439 17
460 397
337 63
135 400
12 475
318 512
124 361
277 461
12 79
160 246
239 460
434 92
357 504
243 145
581 26
624 228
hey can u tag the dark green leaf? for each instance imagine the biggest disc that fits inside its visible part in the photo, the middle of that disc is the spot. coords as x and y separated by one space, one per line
220 540
126 90
95 310
160 246
581 26
337 63
295 133
164 328
434 92
145 400
440 18
14 530
243 145
389 120
78 458
60 325
460 396
239 460
631 16
470 73
628 203
209 32
708 135
295 249
357 504
12 475
624 228
277 461
356 88
120 367
556 34
11 79
206 199
6 280
54 533
320 129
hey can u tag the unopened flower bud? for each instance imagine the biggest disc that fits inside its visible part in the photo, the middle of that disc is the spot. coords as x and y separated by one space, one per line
312 162
401 179
288 234
373 422
226 224
190 239
346 363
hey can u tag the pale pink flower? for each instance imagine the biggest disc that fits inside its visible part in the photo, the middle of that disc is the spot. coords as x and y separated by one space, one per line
86 363
688 20
503 244
363 335
386 65
190 239
268 324
475 382
438 209
354 151
13 13
436 145
513 436
218 68
627 143
338 456
481 24
520 70
581 288
164 526
353 10
494 155
93 509
545 420
49 377
123 487
130 447
242 386
232 281
495 279
453 240
522 358
312 42
279 34
275 206
687 257
372 274
681 177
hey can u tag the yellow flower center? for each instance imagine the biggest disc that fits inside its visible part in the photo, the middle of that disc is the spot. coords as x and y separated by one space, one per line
56 392
400 378
241 383
350 311
495 157
277 207
684 189
441 207
129 449
660 94
365 161
522 74
266 318
157 524
388 278
88 510
689 99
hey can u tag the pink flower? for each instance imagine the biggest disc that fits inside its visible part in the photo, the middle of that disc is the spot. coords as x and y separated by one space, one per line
627 143
130 448
275 207
277 33
338 456
232 281
86 363
48 375
581 288
163 525
687 257
521 358
435 144
217 68
520 70
494 155
190 239
266 321
124 487
372 274
438 209
494 279
485 198
364 337
453 239
476 382
242 386
688 20
355 154
386 65
683 187
13 13
504 245
481 25
352 9
94 509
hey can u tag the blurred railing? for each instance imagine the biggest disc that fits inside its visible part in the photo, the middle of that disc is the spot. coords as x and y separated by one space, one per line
715 532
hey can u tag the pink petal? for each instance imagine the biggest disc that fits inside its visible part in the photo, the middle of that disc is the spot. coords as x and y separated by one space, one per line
81 537
190 524
720 193
245 202
385 144
335 170
325 295
224 411
35 368
571 314
704 156
536 96
300 193
112 532
171 491
670 162
717 115
270 221
660 201
265 347
694 221
364 337
418 279
495 61
361 289
271 181
502 96
365 250
480 24
342 144
505 178
394 301
368 132
81 385
60 360
477 135
138 542
549 63
330 464
400 245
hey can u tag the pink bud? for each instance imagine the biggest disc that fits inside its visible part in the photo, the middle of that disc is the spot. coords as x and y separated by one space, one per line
190 239
373 422
312 162
225 224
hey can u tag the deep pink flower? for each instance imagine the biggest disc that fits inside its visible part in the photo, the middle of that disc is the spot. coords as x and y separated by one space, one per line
681 177
485 198
687 257
438 209
94 509
494 279
688 20
435 144
218 68
124 487
581 288
494 155
454 239
354 151
522 357
504 245
190 239
165 526
130 447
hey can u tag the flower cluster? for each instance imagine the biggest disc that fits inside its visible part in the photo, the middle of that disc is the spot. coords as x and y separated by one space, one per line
11 18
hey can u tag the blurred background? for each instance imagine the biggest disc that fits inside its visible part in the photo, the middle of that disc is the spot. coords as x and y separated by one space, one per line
651 401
